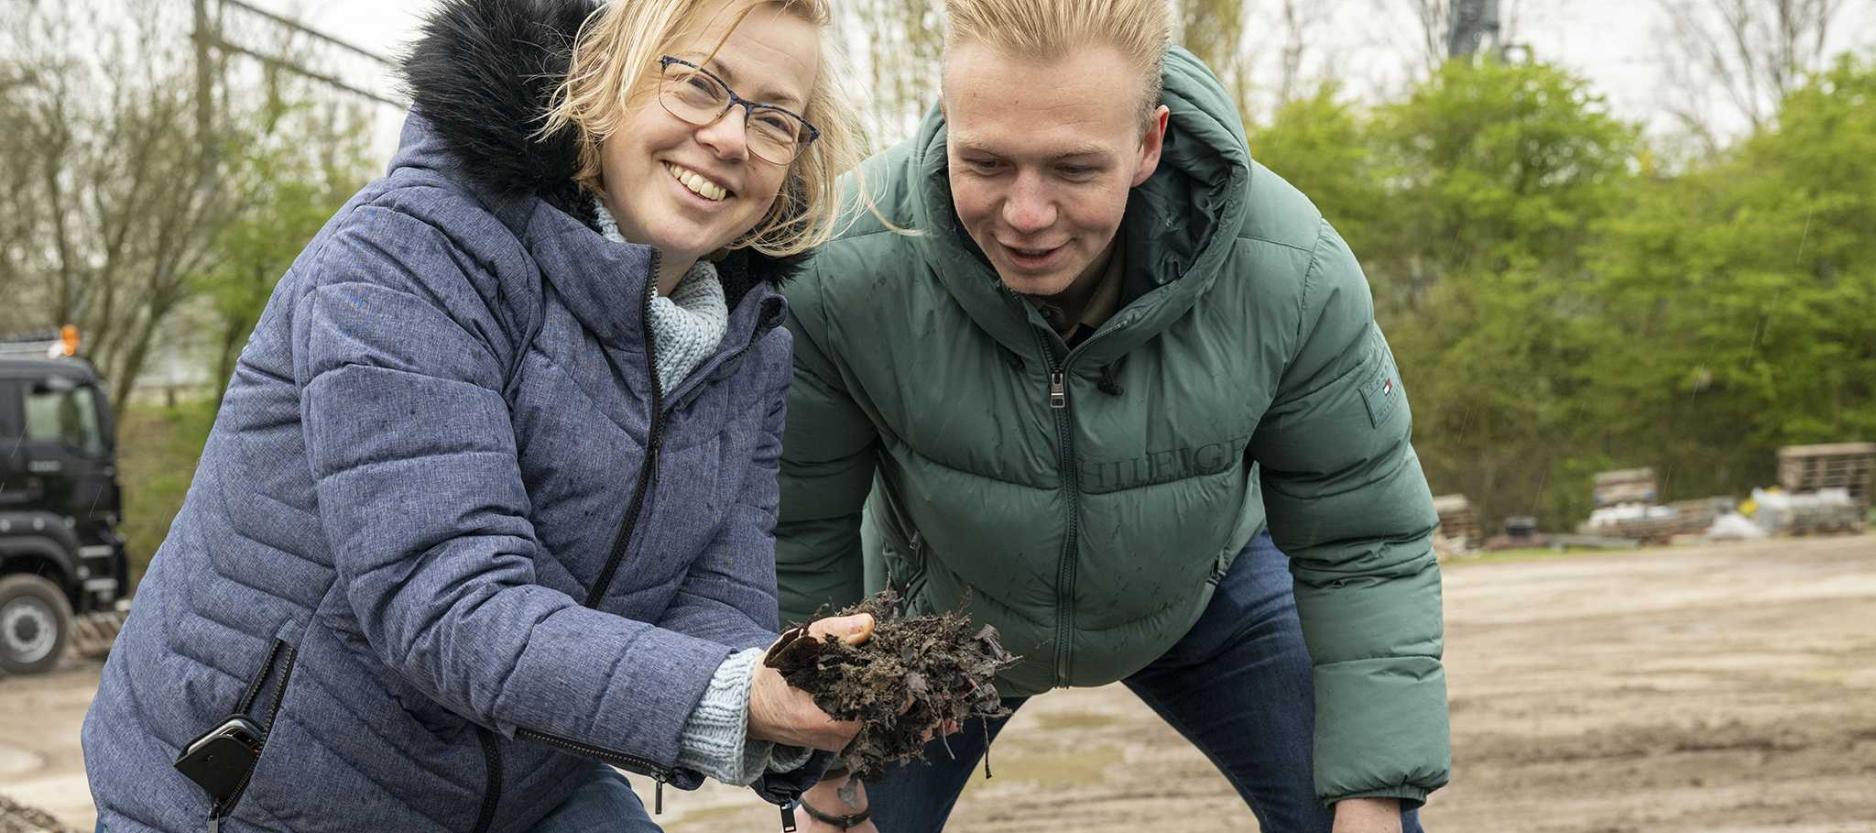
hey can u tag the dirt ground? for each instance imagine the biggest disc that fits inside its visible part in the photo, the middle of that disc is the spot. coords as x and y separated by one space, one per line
40 763
1721 689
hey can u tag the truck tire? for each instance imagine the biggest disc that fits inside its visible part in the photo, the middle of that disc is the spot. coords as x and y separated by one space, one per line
35 621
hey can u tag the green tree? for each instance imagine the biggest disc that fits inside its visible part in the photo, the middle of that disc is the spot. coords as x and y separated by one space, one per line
115 195
294 187
1747 288
1321 144
1497 176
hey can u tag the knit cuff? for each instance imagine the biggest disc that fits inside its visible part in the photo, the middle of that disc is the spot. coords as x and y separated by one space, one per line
784 759
715 739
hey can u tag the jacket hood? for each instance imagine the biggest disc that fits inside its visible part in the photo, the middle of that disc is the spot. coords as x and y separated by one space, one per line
482 75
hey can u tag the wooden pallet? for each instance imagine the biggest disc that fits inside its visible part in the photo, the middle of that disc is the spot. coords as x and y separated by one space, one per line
93 634
1625 486
1848 466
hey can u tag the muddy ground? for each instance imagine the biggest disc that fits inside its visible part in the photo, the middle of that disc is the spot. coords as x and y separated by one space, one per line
1723 689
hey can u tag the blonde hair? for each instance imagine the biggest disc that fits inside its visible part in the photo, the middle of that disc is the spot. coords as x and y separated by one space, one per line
1052 29
615 67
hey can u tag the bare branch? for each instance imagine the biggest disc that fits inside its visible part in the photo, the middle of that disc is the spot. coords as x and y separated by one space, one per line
1753 52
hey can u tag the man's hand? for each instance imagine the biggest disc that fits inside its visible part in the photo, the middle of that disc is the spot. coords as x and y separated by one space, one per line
781 713
825 797
1367 815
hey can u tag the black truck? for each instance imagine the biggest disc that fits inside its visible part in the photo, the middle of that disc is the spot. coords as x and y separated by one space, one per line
63 566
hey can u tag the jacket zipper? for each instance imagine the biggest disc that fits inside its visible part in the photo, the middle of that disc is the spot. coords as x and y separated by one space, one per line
630 763
1071 482
642 766
648 473
620 543
492 789
224 808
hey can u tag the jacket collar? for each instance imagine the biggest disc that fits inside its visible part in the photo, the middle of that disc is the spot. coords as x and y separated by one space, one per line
607 285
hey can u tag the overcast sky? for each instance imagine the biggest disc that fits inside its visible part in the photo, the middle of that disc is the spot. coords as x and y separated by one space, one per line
1613 43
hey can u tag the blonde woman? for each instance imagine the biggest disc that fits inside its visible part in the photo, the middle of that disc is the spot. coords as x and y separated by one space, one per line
489 507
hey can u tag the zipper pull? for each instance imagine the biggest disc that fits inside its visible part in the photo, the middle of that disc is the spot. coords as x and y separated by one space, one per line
1058 389
788 817
657 800
214 825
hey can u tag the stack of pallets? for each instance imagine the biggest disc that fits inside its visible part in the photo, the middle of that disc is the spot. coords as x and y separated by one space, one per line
1625 486
94 633
1847 466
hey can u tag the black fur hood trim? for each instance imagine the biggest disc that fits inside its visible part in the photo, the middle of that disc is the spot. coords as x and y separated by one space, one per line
483 73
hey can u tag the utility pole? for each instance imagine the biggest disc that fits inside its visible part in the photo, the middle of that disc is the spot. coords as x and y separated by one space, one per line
1474 24
204 87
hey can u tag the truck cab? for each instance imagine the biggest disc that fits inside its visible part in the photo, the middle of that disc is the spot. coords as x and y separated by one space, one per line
60 507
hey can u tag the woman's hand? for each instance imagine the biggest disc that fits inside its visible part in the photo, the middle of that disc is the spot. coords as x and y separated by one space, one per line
781 713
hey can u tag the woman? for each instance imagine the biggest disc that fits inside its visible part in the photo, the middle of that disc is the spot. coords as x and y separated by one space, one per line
490 499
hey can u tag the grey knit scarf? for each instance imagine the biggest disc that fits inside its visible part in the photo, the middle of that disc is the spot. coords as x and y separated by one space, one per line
686 327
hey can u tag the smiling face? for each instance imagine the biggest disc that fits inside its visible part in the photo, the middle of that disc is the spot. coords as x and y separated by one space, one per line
1042 156
689 190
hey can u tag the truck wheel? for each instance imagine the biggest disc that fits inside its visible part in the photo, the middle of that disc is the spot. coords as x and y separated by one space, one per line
35 620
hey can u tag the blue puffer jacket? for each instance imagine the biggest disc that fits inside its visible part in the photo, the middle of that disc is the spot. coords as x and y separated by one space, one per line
444 528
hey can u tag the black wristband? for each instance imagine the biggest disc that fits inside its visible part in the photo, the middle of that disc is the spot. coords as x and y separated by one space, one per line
846 822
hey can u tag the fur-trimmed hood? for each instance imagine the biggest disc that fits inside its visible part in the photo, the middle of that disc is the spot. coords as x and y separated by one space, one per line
482 73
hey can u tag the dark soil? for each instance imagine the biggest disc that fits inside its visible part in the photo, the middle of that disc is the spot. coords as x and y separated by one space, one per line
938 665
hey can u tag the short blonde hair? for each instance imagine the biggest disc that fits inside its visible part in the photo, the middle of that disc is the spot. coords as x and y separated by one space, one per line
1052 29
614 67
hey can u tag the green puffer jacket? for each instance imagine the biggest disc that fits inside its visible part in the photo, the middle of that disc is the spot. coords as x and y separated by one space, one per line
1087 501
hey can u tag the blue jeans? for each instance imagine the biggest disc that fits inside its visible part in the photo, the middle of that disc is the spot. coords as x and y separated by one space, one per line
604 804
1237 685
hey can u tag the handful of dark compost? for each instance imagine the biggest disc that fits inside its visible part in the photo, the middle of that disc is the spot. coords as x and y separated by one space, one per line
937 664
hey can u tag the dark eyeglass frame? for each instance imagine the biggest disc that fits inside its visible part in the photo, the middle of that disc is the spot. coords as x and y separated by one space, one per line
749 107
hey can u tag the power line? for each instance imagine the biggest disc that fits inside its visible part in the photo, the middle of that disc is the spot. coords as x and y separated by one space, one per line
296 26
283 64
209 36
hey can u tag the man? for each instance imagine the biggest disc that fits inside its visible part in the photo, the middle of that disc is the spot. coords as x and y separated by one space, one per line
1111 350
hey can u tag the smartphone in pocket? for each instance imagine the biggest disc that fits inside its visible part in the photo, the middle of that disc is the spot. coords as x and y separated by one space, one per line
220 760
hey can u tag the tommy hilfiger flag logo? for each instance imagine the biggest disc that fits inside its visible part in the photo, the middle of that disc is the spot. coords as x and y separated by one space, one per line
1379 396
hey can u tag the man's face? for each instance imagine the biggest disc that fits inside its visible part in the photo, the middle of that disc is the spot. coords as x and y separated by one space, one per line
1042 156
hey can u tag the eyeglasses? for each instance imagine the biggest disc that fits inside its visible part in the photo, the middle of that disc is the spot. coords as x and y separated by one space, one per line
697 96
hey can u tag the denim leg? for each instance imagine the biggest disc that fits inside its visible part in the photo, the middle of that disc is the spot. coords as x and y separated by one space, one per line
917 797
1238 685
604 804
